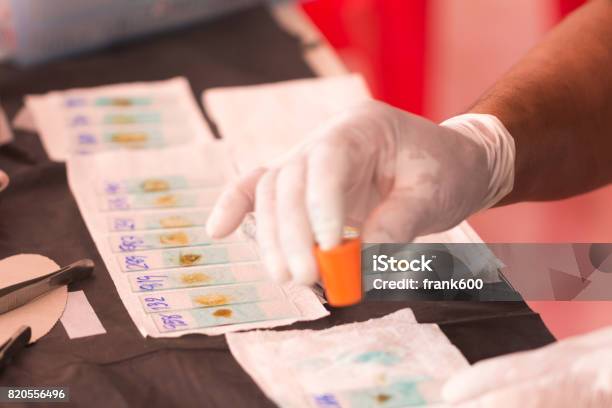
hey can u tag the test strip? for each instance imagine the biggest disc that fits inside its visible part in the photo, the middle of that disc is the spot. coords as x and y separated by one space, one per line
408 392
192 198
157 220
196 277
95 139
157 184
76 100
122 101
127 134
88 117
187 257
224 315
166 239
112 116
210 297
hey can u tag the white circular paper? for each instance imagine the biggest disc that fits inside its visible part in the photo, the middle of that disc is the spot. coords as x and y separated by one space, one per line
4 180
40 314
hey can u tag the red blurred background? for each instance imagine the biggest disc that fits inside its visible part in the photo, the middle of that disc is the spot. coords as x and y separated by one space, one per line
435 57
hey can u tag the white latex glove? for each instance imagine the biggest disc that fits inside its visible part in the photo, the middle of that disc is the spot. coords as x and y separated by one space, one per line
576 372
389 173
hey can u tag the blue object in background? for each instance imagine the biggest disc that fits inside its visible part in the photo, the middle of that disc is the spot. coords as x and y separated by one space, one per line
45 29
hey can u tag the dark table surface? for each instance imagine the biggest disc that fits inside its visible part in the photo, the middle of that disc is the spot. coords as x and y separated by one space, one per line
39 215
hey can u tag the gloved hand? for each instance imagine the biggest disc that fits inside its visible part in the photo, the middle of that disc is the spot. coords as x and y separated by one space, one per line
576 372
389 173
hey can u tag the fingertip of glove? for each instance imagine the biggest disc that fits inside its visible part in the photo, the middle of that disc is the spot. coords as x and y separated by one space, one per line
461 387
215 225
276 268
451 391
329 239
303 270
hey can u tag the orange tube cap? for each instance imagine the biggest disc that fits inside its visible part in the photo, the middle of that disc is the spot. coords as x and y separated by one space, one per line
340 269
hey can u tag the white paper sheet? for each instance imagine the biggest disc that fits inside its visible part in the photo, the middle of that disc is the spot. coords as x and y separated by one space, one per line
187 283
134 115
23 120
42 313
6 134
261 122
391 360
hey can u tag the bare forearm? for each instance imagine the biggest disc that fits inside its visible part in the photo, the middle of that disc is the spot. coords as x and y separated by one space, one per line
557 104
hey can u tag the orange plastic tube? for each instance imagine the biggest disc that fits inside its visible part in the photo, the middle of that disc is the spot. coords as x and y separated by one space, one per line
340 269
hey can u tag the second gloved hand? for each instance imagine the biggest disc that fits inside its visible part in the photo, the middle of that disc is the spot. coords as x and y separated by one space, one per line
575 372
389 173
